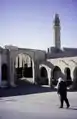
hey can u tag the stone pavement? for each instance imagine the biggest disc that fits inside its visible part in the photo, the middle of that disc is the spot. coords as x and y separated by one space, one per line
37 106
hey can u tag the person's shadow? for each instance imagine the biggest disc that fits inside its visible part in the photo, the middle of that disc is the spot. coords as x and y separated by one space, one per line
72 108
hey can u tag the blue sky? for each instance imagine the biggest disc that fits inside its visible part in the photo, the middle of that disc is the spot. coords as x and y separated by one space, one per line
29 23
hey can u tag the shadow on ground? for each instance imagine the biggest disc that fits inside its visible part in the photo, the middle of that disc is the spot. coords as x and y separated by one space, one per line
72 108
24 88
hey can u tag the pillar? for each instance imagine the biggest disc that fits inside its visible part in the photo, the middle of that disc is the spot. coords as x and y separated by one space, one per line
12 71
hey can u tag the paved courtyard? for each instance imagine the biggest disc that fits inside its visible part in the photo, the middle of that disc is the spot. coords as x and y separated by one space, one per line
37 106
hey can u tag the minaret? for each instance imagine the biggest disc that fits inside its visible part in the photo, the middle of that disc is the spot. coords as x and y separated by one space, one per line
57 42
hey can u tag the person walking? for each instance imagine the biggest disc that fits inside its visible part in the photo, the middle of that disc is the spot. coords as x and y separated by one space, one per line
62 91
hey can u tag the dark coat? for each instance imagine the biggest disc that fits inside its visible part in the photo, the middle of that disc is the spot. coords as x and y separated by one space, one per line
62 89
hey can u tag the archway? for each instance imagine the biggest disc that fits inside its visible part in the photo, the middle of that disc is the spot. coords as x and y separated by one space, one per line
75 78
4 72
44 76
43 72
24 67
55 74
4 75
68 76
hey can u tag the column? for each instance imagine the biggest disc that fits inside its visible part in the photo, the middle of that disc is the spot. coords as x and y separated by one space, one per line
12 70
33 71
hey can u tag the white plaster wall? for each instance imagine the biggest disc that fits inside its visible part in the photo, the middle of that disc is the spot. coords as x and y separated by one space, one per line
65 62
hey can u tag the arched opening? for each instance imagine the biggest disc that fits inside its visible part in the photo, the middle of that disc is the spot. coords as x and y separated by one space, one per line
75 78
44 76
43 72
4 75
4 72
68 76
55 74
24 67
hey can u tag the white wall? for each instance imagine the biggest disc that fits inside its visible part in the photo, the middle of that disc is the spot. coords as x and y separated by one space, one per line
70 62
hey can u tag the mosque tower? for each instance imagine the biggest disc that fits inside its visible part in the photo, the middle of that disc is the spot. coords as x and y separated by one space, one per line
57 42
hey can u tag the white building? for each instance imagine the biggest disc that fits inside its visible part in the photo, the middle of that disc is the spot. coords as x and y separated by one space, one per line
43 67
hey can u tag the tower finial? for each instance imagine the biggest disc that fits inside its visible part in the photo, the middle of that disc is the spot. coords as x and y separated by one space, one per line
57 20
